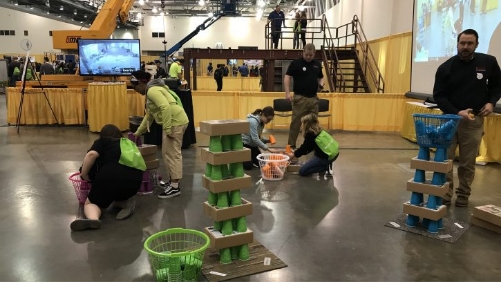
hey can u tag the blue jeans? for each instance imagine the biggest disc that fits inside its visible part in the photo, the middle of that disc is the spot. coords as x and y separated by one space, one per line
314 165
295 41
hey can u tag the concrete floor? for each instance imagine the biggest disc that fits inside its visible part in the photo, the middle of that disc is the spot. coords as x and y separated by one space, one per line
325 230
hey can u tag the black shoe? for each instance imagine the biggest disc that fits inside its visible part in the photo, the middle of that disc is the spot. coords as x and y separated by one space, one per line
461 201
84 224
164 184
127 211
446 202
169 192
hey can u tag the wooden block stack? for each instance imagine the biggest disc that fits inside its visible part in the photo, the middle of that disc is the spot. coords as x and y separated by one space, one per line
224 177
150 176
432 211
488 217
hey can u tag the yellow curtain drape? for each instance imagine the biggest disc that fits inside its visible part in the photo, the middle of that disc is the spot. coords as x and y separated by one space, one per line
136 103
490 151
207 83
393 58
107 103
370 112
67 103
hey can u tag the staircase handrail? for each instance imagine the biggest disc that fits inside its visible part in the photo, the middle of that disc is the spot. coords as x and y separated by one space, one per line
369 61
329 45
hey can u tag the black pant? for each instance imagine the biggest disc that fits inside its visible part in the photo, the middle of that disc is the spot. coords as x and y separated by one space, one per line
303 38
219 84
275 34
254 153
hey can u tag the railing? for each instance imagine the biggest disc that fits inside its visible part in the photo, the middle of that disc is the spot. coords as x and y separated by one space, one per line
350 35
332 60
312 35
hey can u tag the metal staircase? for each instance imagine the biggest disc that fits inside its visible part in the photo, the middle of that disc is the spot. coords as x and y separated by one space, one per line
349 63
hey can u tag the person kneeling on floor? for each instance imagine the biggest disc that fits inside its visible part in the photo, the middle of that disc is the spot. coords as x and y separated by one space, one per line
114 182
315 138
252 140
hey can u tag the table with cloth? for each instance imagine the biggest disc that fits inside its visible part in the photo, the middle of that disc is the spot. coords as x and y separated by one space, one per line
490 149
107 103
68 105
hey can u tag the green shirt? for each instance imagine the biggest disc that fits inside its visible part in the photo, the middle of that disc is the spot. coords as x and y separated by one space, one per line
162 107
175 70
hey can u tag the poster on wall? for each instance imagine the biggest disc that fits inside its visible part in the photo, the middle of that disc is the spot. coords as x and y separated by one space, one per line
253 62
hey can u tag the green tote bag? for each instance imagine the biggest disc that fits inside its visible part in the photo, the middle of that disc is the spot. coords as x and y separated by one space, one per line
130 155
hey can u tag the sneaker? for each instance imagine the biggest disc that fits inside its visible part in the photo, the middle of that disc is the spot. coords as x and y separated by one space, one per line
446 202
461 201
84 224
169 192
127 211
164 184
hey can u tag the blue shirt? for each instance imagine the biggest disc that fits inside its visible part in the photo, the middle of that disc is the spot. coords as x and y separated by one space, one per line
277 19
244 70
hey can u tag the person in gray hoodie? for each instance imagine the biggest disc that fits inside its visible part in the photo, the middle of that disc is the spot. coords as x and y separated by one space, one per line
253 140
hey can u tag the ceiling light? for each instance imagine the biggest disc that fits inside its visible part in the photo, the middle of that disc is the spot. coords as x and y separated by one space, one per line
48 12
301 8
161 13
81 22
75 12
261 3
141 2
58 16
15 3
85 16
154 11
61 8
211 14
31 7
201 2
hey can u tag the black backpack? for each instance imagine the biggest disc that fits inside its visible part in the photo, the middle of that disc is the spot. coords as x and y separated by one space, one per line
218 74
226 71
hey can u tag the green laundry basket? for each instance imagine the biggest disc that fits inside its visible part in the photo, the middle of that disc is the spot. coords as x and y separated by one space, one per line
176 254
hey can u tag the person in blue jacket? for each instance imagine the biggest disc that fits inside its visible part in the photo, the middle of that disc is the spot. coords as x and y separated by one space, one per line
253 140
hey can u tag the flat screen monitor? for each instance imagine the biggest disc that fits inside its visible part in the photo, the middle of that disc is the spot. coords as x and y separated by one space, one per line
108 57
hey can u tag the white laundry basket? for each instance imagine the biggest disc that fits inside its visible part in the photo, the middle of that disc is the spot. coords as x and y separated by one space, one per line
273 166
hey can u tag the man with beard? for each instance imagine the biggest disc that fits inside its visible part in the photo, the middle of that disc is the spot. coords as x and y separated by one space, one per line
468 85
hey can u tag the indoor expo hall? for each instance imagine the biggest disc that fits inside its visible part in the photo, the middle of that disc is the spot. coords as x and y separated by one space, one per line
341 227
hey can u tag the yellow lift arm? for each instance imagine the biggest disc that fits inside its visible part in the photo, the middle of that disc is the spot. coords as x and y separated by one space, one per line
102 27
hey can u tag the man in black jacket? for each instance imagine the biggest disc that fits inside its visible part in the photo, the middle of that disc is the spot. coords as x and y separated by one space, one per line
468 85
218 76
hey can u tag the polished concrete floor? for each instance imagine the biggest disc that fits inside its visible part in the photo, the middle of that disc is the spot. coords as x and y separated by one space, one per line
325 230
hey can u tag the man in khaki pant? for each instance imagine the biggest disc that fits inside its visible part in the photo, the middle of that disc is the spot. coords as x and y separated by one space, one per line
308 78
468 85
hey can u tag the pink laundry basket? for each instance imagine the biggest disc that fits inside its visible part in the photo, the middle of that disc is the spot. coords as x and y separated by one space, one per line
82 187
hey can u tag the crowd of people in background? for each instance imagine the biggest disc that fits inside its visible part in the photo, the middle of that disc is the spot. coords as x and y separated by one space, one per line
15 68
243 70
